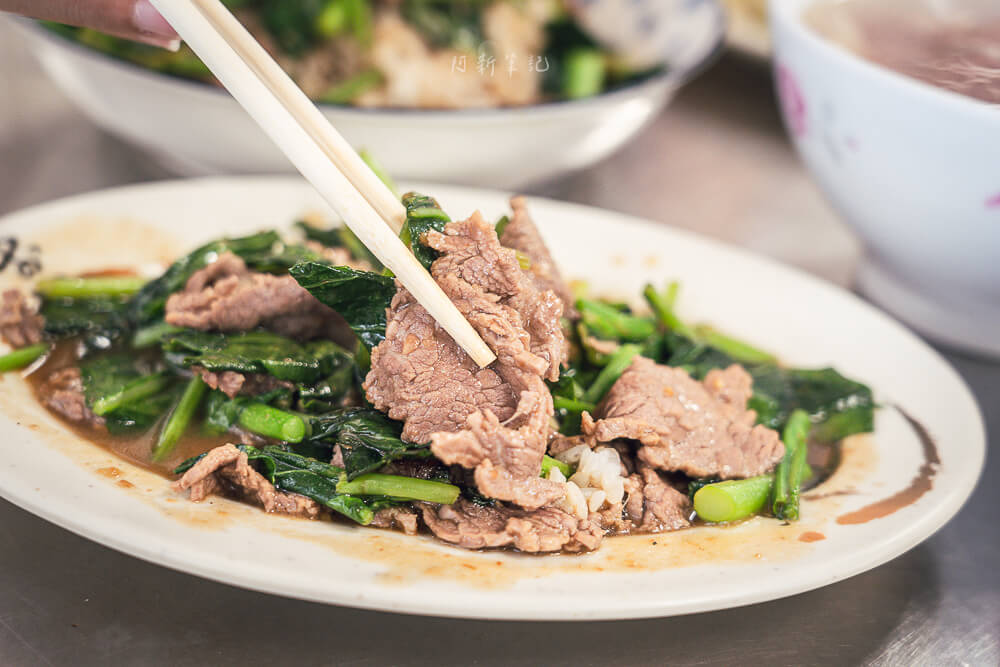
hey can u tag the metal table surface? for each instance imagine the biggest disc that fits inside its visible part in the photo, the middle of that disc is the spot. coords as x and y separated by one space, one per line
716 162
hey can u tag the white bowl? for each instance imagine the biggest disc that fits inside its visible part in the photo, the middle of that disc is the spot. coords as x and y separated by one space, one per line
199 129
913 168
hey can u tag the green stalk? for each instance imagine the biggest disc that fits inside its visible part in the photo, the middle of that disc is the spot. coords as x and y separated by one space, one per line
663 307
584 73
22 357
737 349
81 288
379 171
734 499
273 423
573 405
133 391
153 334
617 365
179 418
396 486
610 323
548 463
791 470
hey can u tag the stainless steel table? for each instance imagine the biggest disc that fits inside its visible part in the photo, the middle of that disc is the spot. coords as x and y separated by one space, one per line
716 162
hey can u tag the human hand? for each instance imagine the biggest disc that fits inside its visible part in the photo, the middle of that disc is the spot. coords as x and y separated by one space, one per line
132 19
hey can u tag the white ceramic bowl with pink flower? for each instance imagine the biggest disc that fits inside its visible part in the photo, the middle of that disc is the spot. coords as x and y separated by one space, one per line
913 168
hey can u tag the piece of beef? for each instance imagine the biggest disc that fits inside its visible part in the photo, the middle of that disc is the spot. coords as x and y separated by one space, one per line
522 234
473 526
62 392
20 323
227 468
227 296
339 256
234 384
399 518
653 506
701 429
493 420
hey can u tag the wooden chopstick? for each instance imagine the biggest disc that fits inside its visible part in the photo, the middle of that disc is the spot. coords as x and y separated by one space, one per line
316 149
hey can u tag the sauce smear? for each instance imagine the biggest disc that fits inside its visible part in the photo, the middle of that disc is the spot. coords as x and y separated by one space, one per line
921 484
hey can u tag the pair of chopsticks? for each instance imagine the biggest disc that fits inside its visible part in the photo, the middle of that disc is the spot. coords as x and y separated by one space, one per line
316 149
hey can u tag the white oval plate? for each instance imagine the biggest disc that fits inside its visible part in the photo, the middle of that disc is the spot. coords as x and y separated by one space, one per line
54 474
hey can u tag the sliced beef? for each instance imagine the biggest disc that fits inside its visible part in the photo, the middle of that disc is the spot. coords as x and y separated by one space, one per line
227 296
473 261
700 429
20 323
339 256
522 234
234 384
653 506
492 420
226 468
420 376
62 392
398 518
473 526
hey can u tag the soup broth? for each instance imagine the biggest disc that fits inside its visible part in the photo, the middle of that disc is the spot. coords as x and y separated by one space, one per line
951 44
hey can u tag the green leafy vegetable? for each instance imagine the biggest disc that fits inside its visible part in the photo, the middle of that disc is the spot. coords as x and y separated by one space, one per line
98 321
368 439
254 352
422 215
127 392
361 297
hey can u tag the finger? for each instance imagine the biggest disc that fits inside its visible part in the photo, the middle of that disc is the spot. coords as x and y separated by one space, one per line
132 19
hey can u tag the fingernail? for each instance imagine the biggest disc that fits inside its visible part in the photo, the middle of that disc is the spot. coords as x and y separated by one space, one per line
147 20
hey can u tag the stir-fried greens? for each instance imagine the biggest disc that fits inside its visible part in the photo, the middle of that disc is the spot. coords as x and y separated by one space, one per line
337 392
361 52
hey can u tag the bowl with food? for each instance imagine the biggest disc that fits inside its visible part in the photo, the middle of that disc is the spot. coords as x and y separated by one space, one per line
895 108
481 86
191 378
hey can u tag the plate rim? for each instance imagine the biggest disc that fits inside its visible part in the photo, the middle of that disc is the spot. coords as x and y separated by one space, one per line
854 563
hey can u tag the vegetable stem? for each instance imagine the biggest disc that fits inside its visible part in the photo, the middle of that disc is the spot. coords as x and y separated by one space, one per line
153 334
179 418
382 176
548 463
584 74
617 364
734 499
790 472
663 307
573 405
737 349
79 288
271 422
22 357
396 486
137 390
610 323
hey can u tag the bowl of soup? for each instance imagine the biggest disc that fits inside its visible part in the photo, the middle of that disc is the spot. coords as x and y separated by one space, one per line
894 106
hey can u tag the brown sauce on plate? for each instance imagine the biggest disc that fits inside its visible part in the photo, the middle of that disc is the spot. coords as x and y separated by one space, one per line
135 448
921 483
